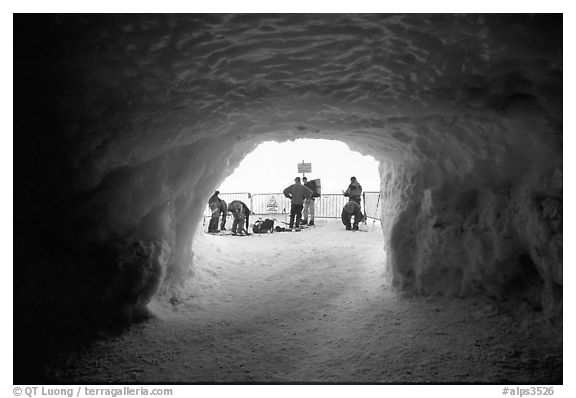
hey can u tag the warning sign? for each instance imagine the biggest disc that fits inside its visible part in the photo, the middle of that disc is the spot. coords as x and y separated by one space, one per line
272 205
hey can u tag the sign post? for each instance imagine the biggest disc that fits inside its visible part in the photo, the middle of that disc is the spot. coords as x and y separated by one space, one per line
304 168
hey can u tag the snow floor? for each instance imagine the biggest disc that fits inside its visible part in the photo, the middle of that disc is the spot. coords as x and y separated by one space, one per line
312 306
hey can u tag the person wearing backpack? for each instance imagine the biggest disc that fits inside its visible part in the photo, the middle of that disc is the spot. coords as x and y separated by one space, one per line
297 193
241 214
354 191
308 203
351 209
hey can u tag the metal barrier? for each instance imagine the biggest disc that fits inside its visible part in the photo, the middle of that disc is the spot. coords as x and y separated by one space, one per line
329 205
326 206
270 203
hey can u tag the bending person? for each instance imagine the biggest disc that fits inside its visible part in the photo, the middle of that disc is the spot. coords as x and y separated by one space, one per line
241 214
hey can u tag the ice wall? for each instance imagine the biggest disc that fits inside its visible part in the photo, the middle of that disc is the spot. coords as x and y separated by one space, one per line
485 223
126 124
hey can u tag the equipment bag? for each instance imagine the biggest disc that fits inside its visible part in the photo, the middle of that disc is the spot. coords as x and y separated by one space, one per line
263 226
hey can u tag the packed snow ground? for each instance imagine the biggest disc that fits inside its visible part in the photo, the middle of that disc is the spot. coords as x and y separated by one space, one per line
311 306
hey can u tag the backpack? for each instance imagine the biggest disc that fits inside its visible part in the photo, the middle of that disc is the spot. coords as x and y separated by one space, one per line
263 226
314 186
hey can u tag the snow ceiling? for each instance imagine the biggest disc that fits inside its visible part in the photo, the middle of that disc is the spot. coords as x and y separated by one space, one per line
464 112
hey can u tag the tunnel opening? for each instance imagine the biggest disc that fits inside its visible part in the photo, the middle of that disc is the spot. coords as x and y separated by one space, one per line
259 181
326 165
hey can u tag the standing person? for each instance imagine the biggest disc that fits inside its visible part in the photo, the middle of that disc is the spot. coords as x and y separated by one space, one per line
241 214
224 214
351 209
297 193
308 203
354 191
214 204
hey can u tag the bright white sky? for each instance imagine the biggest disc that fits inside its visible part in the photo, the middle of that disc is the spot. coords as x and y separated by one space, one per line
273 166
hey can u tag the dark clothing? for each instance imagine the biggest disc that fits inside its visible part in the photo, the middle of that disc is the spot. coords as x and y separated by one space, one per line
354 191
213 224
214 204
213 199
218 207
238 222
297 193
311 185
295 211
247 216
352 208
241 213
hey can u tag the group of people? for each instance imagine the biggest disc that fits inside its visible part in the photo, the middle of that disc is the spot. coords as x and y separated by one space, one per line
240 213
302 197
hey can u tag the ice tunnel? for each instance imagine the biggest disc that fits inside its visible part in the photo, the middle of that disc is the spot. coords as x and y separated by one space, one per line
125 124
